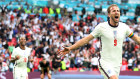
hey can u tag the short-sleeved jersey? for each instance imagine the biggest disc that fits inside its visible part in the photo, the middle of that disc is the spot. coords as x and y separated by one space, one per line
24 54
111 41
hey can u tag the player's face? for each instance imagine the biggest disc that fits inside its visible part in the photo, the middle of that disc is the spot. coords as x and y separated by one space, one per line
44 61
22 41
114 14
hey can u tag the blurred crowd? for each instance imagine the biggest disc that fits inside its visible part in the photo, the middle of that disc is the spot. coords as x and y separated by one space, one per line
46 36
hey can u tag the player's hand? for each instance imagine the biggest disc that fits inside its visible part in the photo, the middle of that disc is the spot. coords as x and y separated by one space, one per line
63 52
17 57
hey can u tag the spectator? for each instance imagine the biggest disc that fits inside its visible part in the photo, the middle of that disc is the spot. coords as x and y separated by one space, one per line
67 61
130 63
3 65
94 62
40 50
63 67
46 33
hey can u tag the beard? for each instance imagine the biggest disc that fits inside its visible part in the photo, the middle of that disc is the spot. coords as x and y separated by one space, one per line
22 43
114 20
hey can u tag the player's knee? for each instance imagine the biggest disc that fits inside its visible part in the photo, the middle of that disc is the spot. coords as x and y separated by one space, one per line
113 77
42 76
49 76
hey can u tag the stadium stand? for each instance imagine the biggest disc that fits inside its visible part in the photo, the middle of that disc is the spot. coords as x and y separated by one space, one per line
55 22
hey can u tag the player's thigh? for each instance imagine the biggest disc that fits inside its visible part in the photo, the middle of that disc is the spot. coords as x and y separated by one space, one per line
103 74
107 70
16 74
117 70
42 74
24 77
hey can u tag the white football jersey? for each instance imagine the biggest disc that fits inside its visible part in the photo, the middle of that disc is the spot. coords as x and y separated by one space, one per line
24 54
111 41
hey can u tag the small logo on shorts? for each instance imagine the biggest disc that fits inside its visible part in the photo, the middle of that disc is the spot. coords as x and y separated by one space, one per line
109 71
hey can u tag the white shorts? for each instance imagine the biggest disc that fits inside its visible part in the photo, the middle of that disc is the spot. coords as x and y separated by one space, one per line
107 70
20 77
18 74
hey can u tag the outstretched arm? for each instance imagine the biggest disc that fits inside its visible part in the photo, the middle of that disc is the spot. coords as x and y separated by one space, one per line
81 42
78 44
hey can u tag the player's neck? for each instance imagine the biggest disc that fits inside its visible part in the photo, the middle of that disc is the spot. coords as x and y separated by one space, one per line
22 47
112 23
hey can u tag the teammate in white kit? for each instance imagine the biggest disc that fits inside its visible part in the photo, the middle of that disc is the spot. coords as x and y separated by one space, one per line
20 57
112 34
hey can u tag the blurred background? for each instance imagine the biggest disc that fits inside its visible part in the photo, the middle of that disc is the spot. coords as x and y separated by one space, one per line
50 24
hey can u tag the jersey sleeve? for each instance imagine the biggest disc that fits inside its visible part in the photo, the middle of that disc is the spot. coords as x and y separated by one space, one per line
96 32
129 32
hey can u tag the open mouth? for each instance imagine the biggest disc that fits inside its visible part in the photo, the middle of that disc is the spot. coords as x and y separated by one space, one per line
116 17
